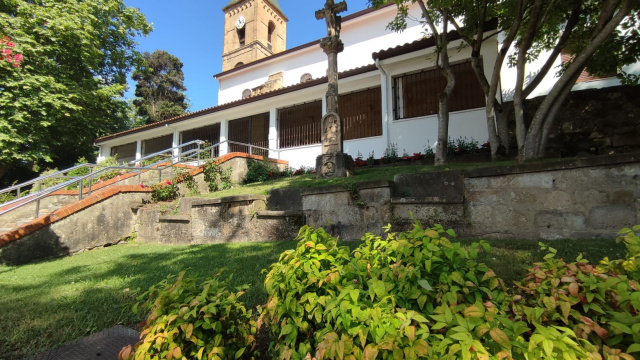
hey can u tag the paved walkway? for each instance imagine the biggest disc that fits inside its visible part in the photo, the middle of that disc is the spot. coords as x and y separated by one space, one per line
105 345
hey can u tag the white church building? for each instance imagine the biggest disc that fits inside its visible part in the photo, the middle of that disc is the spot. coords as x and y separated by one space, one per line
274 98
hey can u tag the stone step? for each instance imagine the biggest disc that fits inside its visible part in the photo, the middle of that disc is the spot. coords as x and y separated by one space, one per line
278 213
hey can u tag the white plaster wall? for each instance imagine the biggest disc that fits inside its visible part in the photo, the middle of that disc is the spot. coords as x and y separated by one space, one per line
414 135
508 77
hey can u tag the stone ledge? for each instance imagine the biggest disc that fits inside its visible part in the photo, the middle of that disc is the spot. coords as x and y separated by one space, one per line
552 165
424 200
228 199
175 218
275 213
372 184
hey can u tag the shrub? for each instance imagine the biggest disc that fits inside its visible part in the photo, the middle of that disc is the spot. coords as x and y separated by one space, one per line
600 304
258 171
164 191
188 180
47 183
194 319
216 177
411 295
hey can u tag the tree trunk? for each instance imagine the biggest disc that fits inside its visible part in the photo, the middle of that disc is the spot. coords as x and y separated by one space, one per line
3 169
545 115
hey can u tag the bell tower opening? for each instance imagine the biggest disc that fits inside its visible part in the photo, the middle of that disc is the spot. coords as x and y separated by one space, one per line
253 29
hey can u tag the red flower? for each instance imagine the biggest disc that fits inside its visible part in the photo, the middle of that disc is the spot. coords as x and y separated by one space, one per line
142 186
169 182
10 44
458 149
270 173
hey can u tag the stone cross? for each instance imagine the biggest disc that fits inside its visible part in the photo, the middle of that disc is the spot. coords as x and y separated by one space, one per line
329 13
333 162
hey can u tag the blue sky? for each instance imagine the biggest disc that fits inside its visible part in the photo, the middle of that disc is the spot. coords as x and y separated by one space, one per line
192 30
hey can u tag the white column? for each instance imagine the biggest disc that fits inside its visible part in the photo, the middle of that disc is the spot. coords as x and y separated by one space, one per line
273 134
138 149
102 150
386 98
176 142
224 135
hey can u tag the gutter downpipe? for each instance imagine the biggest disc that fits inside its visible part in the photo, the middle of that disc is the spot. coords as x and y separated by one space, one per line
385 101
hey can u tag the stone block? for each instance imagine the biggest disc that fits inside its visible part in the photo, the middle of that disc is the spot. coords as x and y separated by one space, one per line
335 165
612 217
533 180
284 199
448 185
554 225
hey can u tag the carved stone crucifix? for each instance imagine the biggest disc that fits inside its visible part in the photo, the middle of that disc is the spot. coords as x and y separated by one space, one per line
329 13
333 162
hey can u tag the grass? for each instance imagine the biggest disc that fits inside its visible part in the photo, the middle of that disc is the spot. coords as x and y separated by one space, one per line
361 174
49 303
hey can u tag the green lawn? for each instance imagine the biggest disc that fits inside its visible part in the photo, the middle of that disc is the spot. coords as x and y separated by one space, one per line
49 303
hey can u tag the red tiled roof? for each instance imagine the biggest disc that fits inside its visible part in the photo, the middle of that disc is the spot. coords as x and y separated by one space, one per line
211 110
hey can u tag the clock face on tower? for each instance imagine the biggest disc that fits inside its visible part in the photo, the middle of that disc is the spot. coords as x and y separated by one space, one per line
240 22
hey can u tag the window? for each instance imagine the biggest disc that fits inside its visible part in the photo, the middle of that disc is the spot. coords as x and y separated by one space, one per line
416 94
210 134
124 153
252 130
241 33
300 124
271 30
158 144
305 77
361 114
239 64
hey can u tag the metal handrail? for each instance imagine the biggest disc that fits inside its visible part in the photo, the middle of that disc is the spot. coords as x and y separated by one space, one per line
173 160
60 174
56 175
151 156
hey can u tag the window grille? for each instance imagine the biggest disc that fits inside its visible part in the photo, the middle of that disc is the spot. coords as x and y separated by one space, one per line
210 134
124 153
252 130
158 144
299 125
416 94
361 114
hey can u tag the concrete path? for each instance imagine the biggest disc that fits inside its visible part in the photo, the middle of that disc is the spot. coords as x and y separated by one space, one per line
104 345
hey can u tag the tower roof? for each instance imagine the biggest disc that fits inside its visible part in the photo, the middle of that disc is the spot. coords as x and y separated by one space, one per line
272 2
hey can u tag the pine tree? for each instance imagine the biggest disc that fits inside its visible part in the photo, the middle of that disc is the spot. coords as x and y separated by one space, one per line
160 88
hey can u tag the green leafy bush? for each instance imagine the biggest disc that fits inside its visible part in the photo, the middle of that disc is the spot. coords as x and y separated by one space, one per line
259 171
164 191
600 304
194 319
216 177
411 295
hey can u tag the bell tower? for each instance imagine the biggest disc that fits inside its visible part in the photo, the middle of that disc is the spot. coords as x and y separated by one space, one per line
253 29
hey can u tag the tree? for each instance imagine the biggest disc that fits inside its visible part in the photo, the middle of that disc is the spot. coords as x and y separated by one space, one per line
588 29
434 13
69 87
159 91
591 31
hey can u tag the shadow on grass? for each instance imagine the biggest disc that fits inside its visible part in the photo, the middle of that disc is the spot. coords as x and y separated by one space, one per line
47 304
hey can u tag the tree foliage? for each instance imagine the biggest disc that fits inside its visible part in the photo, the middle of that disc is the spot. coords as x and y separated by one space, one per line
602 35
159 91
68 89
